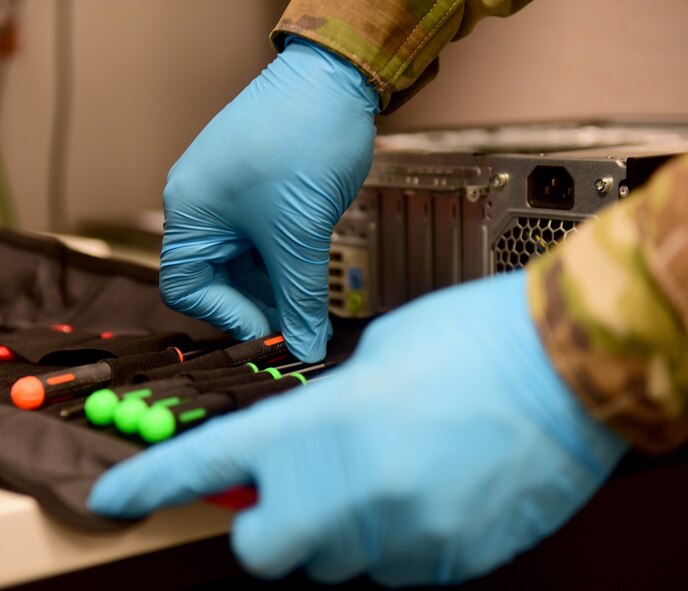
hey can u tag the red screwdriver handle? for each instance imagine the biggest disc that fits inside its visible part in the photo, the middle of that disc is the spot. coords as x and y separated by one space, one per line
236 499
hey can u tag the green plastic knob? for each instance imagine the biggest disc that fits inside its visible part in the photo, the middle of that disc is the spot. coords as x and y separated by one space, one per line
100 407
128 413
157 424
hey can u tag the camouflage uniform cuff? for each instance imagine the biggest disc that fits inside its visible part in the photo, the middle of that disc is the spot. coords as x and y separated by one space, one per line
393 42
610 308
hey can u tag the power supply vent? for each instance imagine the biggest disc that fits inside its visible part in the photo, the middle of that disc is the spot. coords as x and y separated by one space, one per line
528 237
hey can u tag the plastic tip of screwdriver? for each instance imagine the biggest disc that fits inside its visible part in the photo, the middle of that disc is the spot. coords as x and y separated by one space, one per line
100 406
6 354
28 393
127 415
157 424
179 354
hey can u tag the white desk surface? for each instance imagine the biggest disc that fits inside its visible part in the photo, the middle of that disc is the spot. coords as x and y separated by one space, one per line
33 546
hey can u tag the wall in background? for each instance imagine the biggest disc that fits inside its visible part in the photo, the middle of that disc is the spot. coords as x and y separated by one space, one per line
26 115
557 59
148 74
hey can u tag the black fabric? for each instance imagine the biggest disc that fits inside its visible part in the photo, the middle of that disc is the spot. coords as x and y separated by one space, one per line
60 309
32 344
47 346
46 283
116 347
57 463
124 368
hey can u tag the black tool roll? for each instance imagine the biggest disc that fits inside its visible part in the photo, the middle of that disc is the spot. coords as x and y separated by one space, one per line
72 324
60 311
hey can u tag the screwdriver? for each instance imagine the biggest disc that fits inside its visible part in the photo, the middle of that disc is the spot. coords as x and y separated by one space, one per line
268 349
174 416
100 405
263 352
160 422
33 392
128 412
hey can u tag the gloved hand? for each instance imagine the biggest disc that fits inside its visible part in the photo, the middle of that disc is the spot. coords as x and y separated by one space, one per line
251 205
443 448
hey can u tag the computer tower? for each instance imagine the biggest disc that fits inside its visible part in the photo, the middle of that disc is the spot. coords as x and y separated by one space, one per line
447 206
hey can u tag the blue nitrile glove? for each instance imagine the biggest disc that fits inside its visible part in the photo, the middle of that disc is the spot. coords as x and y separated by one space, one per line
251 205
445 447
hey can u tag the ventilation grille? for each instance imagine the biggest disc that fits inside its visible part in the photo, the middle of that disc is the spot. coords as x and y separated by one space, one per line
529 237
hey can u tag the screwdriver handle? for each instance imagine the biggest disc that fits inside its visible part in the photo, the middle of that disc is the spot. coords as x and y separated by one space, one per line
266 349
128 412
162 421
33 392
219 372
151 389
224 383
236 498
102 406
244 395
124 406
154 391
143 389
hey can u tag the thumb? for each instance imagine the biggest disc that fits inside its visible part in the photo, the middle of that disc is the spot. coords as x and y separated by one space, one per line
202 290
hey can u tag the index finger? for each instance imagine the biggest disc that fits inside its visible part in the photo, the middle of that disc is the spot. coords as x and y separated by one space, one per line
191 466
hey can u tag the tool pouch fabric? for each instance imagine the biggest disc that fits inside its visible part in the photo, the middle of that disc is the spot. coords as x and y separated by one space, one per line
60 308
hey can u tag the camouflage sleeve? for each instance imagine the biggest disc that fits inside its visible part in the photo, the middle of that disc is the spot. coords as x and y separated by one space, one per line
611 306
395 43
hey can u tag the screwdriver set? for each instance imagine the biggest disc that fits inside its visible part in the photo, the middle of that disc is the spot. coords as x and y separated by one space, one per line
103 370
